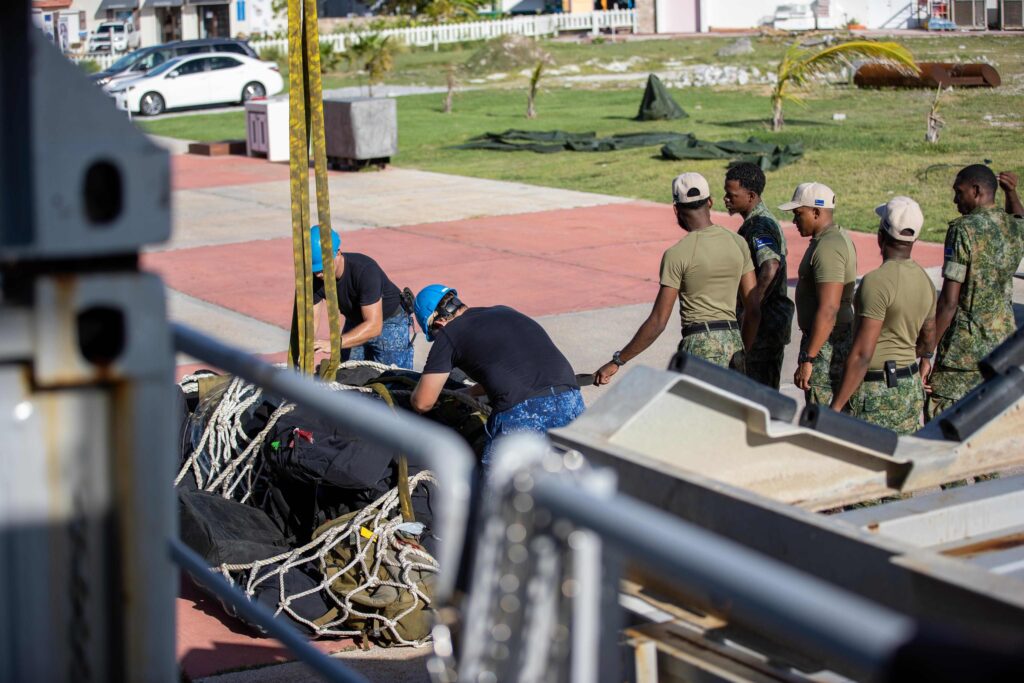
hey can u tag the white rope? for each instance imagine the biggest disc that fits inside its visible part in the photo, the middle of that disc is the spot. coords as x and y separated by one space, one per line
378 520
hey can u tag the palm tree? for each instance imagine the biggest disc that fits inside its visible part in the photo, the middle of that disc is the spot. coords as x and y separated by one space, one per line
374 54
531 96
801 64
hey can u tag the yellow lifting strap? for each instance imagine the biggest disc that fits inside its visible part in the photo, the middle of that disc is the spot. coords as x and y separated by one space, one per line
306 121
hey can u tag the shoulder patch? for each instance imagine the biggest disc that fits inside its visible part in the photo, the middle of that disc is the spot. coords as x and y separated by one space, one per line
763 241
948 253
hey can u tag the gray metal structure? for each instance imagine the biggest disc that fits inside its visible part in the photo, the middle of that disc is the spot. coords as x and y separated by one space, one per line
360 129
85 364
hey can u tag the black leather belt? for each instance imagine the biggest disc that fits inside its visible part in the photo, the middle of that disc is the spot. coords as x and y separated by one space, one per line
712 326
552 391
902 373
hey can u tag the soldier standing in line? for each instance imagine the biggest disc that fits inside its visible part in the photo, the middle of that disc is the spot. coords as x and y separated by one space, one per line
824 293
975 308
706 271
895 307
744 184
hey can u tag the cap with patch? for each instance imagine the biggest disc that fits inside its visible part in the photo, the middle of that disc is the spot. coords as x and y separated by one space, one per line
814 195
900 214
690 187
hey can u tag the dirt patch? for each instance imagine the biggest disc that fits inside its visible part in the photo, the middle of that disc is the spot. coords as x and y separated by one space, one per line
507 54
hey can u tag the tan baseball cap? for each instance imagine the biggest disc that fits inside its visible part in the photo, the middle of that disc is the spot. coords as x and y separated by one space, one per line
814 195
690 187
899 214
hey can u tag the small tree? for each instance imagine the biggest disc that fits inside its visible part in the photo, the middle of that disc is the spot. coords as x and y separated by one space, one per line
935 121
531 109
799 65
372 54
451 82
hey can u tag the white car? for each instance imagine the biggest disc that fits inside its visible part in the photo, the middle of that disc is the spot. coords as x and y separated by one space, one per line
197 80
114 36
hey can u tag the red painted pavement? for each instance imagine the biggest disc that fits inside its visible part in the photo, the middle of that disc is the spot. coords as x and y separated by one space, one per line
211 642
541 263
191 171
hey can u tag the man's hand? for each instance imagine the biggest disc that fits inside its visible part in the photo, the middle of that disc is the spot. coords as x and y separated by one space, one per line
802 376
1008 181
321 346
926 375
605 374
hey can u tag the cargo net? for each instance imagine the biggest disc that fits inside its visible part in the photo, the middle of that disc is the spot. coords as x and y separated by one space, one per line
365 572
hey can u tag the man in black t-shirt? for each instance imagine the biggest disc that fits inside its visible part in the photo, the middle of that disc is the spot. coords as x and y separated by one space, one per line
377 328
530 384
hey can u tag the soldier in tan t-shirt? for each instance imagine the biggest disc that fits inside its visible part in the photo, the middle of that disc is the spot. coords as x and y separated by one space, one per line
895 307
824 293
705 271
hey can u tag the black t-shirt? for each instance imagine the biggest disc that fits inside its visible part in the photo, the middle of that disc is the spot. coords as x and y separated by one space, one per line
363 283
507 353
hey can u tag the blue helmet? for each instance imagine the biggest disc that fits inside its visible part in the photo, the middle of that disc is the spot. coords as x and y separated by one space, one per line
426 305
314 245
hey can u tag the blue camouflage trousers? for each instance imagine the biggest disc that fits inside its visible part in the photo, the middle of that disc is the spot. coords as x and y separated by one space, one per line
393 346
538 414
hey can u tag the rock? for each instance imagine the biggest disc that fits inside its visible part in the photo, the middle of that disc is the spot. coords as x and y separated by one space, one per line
741 46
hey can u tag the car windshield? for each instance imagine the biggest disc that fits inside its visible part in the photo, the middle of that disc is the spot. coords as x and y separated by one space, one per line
118 29
166 66
103 28
126 61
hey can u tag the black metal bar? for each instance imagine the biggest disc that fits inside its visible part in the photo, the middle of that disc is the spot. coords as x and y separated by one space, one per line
331 669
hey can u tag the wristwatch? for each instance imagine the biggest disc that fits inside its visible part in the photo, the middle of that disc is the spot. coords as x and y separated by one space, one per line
804 358
928 356
617 359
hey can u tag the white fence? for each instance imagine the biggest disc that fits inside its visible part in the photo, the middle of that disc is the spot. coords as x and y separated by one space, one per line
421 36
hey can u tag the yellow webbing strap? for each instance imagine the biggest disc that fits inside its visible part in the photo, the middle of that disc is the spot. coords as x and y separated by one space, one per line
404 494
306 119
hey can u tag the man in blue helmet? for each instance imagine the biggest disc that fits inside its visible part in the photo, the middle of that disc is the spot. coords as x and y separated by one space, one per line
530 384
377 326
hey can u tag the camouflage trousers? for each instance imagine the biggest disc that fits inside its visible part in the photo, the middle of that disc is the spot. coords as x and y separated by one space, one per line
537 414
393 346
765 365
948 387
721 347
828 366
898 408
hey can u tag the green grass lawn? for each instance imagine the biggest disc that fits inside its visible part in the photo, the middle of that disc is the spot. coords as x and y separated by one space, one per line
878 151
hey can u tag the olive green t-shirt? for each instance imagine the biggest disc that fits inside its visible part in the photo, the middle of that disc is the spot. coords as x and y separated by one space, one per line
830 257
902 296
706 267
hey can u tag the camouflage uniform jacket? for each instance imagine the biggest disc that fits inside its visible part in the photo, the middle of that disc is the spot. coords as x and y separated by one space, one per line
982 252
764 237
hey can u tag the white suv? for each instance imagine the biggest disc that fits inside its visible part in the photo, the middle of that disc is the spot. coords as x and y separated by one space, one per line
114 36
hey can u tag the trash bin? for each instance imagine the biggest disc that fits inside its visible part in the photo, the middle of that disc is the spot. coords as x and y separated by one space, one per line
266 125
360 131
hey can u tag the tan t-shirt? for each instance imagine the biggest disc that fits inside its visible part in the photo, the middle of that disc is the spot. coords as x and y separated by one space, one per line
902 296
706 267
831 257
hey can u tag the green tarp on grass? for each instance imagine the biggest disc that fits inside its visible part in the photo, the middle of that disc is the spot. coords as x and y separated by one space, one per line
766 155
675 146
657 104
551 141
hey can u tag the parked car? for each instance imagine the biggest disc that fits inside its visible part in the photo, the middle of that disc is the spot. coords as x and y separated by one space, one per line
114 36
137 63
197 80
794 18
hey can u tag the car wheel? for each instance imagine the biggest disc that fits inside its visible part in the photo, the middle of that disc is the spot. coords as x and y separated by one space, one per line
151 104
253 90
